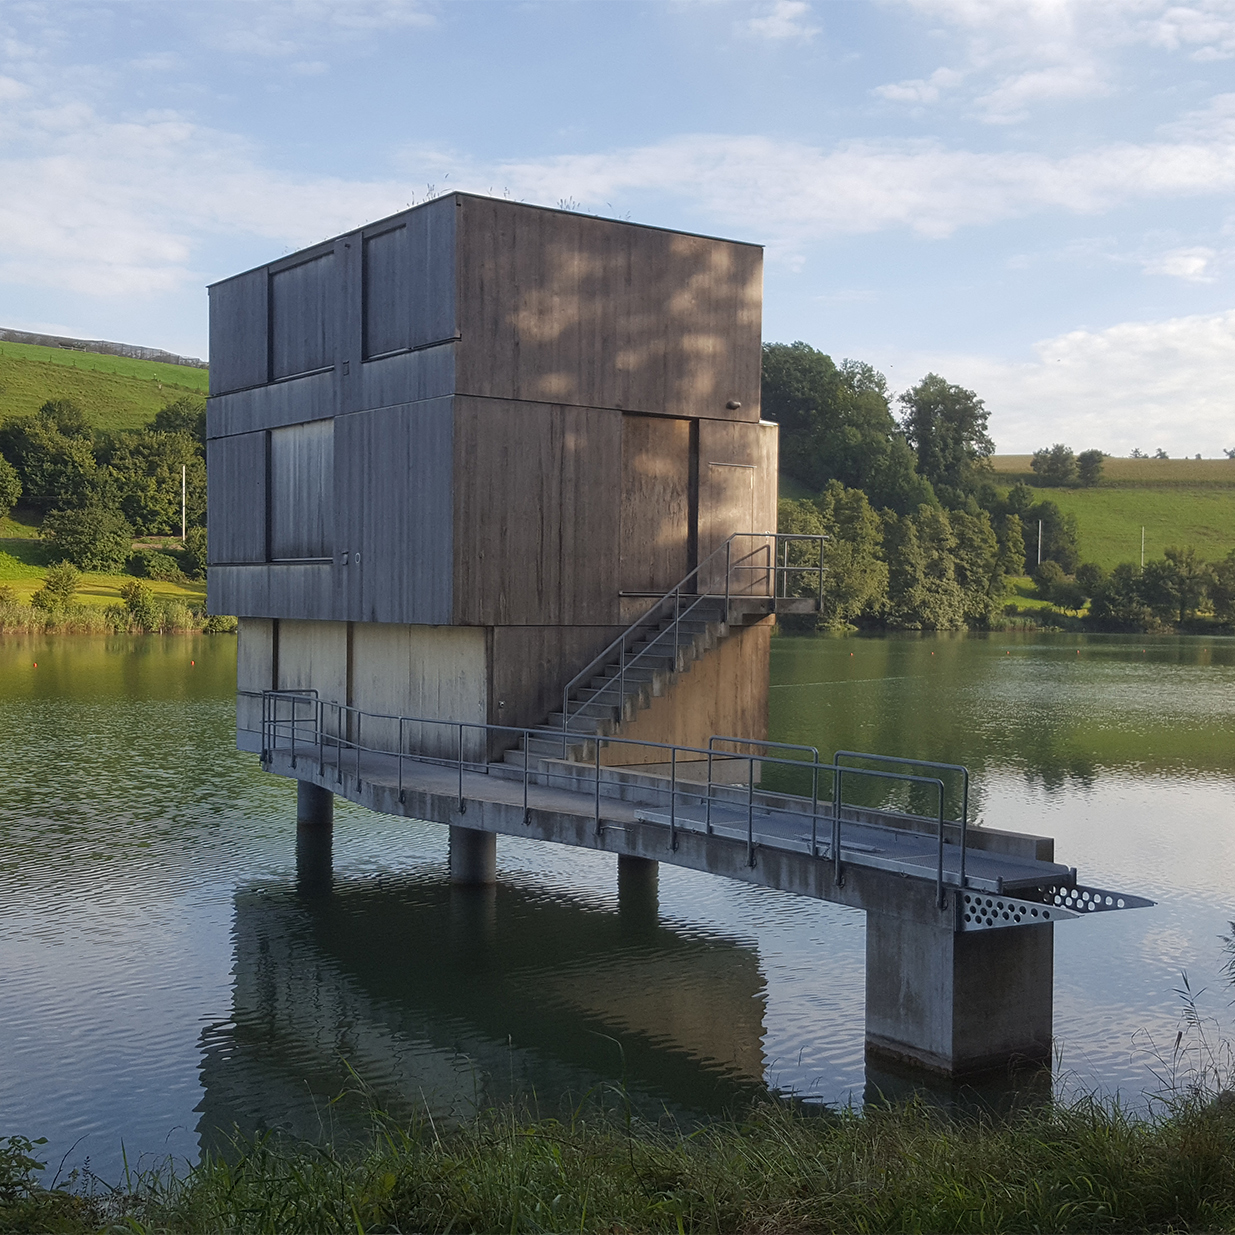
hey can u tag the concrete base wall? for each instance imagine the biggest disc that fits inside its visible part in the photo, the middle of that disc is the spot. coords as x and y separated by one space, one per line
958 1003
726 692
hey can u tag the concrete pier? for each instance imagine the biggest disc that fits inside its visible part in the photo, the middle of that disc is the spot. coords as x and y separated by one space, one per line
314 805
473 856
638 881
314 839
958 1003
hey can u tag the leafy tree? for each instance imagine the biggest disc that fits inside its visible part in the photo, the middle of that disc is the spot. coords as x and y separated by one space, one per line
53 452
92 538
1054 466
186 415
140 602
1222 588
1175 586
10 486
1091 577
1118 603
1161 454
143 480
59 587
1138 453
1047 577
946 426
1060 541
978 566
1011 545
1089 466
835 424
922 590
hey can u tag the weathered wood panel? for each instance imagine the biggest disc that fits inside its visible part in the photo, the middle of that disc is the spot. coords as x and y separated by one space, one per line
238 319
236 499
302 491
269 407
657 508
277 589
304 306
394 514
408 377
562 308
435 672
737 493
387 292
536 502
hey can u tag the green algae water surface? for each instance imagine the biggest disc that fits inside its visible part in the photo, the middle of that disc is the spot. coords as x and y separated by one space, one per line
164 976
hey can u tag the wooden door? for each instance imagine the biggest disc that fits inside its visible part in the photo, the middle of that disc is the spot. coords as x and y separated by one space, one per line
728 506
658 509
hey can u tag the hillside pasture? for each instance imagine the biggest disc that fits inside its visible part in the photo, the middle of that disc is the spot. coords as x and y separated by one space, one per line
1119 472
116 392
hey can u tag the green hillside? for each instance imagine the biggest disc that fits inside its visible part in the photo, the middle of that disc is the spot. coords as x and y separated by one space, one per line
115 392
1177 501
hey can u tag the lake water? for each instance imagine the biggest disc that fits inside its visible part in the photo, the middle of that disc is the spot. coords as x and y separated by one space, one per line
162 974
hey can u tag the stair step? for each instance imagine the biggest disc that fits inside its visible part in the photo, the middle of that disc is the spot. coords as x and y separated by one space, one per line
584 725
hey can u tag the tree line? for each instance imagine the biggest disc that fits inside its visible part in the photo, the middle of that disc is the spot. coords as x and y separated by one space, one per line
919 537
99 491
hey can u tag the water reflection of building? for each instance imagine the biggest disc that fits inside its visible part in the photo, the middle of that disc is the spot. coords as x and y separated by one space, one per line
454 998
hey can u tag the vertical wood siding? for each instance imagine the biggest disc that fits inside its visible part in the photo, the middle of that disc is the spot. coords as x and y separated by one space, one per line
561 308
302 491
393 498
238 320
656 503
236 499
537 496
304 305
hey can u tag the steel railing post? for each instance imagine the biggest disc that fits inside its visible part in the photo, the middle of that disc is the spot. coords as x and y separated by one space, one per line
462 803
750 813
358 750
964 822
402 791
814 809
527 741
597 750
673 799
707 809
939 896
321 724
837 790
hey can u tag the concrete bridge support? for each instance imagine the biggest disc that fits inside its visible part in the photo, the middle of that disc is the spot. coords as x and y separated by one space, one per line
314 839
473 856
638 881
958 1003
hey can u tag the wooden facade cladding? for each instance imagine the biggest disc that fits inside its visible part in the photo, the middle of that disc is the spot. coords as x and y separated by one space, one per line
483 413
568 309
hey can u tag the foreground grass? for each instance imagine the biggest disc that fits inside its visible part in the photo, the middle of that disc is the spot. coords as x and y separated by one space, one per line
1087 1167
115 392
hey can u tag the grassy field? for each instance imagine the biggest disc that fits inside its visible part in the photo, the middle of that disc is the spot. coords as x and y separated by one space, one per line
116 393
1117 473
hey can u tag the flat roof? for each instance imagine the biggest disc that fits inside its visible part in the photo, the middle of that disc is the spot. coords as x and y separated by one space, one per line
481 197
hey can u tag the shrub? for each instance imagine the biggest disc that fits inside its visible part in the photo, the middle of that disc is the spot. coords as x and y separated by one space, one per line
1089 466
195 552
178 616
146 612
59 587
93 538
221 624
152 564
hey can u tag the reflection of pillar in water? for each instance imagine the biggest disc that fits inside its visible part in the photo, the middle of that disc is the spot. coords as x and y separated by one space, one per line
638 881
473 856
473 918
314 839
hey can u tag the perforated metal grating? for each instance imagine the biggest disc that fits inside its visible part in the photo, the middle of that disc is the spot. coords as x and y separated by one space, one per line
980 912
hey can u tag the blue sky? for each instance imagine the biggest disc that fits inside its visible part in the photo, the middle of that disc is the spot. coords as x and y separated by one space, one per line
1035 199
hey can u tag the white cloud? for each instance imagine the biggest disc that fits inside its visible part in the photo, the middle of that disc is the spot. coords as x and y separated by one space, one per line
1206 30
1192 264
921 90
784 20
276 28
1168 384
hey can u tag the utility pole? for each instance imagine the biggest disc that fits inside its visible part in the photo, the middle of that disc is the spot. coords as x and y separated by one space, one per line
183 536
1142 547
1039 542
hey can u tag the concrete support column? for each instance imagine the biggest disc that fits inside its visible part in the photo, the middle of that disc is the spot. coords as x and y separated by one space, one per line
958 1003
638 881
473 856
314 839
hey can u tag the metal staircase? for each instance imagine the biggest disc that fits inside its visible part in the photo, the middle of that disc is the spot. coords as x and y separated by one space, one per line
743 581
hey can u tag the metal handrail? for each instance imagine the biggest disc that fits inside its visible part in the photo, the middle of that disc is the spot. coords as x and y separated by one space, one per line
323 739
657 613
925 763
